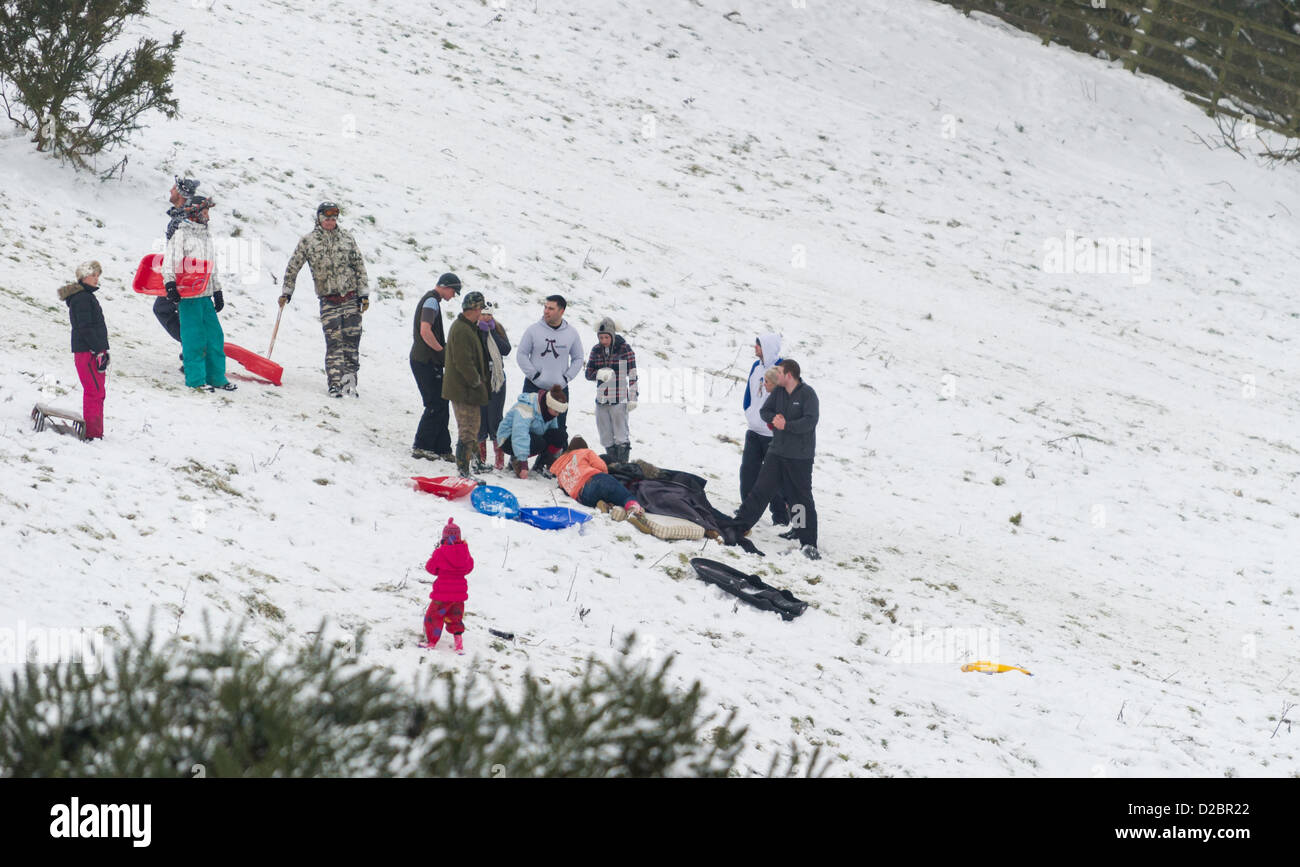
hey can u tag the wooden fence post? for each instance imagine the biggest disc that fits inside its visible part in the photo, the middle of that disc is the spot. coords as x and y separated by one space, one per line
1132 63
1216 90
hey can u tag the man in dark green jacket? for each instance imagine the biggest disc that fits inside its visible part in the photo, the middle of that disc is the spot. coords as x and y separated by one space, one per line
465 379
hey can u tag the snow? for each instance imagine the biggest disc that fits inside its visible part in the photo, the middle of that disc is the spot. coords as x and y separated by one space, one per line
878 181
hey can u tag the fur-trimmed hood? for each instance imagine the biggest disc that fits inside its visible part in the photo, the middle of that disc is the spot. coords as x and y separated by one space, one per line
67 291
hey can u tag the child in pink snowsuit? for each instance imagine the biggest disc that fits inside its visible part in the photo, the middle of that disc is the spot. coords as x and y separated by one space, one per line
449 565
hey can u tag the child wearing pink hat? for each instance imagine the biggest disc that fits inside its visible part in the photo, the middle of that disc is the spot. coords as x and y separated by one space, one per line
449 565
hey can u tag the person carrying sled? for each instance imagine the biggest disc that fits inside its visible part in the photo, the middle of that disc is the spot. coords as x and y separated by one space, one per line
339 275
758 439
612 365
165 309
449 564
428 364
550 353
582 475
89 344
202 340
496 345
524 429
466 381
793 411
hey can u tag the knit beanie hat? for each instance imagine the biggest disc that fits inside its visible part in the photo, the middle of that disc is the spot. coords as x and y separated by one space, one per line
85 269
606 326
450 533
555 400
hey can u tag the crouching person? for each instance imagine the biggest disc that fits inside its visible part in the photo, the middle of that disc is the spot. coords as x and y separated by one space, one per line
582 475
524 428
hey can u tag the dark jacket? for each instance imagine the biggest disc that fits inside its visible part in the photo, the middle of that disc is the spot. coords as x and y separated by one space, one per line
89 333
465 379
421 351
800 408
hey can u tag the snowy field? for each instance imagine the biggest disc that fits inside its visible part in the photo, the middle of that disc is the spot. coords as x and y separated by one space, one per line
895 188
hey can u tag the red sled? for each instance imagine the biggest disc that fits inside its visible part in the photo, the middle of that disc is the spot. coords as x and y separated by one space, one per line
447 487
255 364
191 279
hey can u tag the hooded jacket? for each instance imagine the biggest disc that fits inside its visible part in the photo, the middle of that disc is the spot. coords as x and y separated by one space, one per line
619 357
523 422
550 356
89 333
754 394
449 565
335 262
191 241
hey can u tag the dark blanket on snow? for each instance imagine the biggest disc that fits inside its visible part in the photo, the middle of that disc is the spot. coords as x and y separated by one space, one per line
663 497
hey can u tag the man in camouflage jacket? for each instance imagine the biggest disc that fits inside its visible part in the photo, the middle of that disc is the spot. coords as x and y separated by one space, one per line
339 274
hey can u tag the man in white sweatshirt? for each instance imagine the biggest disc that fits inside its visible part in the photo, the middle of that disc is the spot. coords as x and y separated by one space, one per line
550 353
767 351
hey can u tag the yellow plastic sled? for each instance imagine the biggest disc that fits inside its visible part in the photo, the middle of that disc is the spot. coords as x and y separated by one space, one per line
993 668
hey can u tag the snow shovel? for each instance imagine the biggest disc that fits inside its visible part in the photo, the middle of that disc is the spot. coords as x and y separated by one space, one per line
254 363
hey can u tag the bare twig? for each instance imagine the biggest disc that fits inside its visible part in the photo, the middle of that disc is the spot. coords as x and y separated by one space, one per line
571 583
1286 707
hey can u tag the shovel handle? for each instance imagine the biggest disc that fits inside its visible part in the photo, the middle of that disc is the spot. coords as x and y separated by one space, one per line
275 332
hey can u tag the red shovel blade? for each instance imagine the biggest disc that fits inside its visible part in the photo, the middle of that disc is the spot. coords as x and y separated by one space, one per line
254 363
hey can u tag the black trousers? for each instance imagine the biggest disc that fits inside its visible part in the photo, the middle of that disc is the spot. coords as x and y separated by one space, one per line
433 434
793 476
559 435
169 316
756 446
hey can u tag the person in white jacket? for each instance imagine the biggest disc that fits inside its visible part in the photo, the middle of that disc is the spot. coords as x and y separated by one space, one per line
767 351
202 340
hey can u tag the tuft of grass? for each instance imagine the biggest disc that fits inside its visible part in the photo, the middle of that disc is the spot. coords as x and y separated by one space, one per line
1015 519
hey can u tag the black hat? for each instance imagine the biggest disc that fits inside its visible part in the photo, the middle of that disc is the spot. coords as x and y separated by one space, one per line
451 281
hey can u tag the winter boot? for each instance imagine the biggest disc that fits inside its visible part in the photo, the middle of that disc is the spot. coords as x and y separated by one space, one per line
790 534
480 461
500 461
462 460
427 645
519 468
621 452
460 647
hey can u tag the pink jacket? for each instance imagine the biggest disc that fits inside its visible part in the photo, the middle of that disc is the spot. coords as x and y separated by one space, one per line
449 565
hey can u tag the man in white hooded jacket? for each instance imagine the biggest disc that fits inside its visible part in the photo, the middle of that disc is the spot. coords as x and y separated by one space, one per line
767 351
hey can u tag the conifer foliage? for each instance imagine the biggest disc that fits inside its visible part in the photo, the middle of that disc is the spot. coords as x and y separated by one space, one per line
168 709
59 80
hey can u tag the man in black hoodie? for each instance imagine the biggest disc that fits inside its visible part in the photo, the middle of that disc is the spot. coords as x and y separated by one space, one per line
792 411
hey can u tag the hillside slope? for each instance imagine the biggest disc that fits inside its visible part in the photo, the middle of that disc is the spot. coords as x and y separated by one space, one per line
881 184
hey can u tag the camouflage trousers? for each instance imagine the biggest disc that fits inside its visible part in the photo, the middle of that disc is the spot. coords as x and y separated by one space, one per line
467 420
342 326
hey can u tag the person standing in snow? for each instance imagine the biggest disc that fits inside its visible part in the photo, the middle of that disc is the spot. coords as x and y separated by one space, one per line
428 363
793 411
758 439
89 344
612 364
202 340
165 309
450 563
339 275
581 474
496 345
466 382
523 430
549 354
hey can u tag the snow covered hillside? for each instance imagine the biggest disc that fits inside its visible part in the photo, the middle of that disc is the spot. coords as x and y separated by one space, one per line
894 187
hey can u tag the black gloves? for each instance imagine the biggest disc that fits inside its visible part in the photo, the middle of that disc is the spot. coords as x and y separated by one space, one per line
173 294
218 301
101 361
